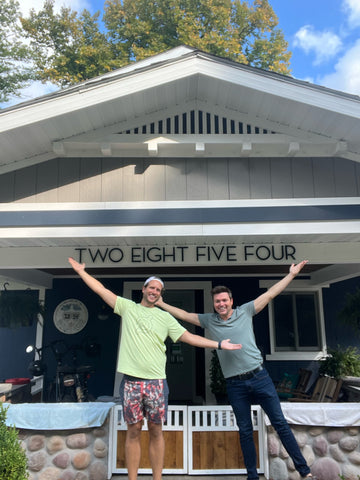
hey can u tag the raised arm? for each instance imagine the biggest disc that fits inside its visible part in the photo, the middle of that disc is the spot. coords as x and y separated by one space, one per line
96 286
263 300
198 341
179 313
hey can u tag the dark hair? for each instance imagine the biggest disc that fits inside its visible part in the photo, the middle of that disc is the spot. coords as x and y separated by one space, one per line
220 289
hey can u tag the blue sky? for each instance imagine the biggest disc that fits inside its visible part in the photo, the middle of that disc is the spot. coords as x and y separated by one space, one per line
323 36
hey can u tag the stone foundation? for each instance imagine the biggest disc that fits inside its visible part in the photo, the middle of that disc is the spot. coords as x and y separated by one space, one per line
67 454
330 452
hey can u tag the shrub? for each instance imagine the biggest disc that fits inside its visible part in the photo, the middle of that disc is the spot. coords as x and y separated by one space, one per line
13 461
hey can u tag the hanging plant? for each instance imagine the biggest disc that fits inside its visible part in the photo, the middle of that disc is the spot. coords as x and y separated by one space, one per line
19 308
350 314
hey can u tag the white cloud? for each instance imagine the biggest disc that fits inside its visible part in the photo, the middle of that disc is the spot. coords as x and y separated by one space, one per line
352 8
346 76
78 5
324 45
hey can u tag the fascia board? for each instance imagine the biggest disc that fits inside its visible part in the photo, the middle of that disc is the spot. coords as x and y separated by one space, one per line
158 75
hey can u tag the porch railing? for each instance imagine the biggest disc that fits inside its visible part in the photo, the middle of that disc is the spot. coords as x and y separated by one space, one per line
198 440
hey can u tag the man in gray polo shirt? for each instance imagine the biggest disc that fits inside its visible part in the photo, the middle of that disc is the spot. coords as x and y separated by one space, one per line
247 381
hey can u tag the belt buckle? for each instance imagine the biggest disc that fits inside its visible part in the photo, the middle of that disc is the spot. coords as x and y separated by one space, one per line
251 374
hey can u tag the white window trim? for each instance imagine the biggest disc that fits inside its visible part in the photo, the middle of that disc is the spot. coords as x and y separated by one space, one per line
296 286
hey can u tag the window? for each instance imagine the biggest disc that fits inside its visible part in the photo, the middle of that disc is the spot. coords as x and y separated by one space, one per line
296 322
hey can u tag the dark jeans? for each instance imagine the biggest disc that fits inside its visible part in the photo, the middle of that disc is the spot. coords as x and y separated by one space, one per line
260 390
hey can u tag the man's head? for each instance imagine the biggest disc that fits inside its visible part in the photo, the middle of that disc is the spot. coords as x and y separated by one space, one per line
223 301
152 290
221 289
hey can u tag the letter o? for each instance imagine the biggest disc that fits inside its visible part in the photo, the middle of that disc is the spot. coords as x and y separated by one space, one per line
266 249
113 252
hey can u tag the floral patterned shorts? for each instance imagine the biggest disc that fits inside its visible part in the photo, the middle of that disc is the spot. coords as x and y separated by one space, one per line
144 398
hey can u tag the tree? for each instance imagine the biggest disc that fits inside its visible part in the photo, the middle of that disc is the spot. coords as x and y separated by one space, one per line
69 47
15 69
231 29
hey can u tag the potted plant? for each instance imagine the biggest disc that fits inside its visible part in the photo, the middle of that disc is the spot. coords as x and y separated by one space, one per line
217 380
341 363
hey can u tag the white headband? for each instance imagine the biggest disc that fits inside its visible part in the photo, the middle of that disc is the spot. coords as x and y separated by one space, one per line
153 278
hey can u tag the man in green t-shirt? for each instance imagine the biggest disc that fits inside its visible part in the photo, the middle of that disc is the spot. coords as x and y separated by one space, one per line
142 360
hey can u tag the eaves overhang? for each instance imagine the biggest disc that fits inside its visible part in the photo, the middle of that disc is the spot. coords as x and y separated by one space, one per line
309 120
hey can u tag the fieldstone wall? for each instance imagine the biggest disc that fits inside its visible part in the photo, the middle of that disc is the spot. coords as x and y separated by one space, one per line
67 454
332 453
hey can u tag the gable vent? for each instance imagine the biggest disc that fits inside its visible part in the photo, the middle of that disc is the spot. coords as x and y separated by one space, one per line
197 123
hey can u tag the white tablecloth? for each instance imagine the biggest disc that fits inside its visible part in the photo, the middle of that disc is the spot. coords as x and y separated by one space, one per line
324 414
57 416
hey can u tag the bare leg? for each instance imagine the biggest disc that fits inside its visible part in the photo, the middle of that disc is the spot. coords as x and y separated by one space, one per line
156 449
133 449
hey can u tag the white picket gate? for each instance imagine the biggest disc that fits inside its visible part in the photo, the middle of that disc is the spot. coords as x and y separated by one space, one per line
199 440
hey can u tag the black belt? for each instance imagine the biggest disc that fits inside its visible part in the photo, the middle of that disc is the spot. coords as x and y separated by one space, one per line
246 375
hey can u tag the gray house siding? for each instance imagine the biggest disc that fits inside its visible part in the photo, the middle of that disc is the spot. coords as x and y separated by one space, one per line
116 179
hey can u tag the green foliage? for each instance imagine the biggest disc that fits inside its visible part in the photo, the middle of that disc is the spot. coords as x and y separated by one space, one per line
341 362
231 29
13 461
70 47
15 73
350 313
67 47
217 380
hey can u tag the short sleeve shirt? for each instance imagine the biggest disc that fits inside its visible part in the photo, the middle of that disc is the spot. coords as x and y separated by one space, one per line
143 333
239 328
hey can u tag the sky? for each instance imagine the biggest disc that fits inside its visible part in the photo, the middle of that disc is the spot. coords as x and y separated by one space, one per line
323 36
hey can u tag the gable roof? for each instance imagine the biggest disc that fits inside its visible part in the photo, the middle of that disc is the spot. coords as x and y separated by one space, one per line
87 119
180 103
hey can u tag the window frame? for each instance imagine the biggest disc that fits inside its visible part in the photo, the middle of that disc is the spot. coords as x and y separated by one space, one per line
296 287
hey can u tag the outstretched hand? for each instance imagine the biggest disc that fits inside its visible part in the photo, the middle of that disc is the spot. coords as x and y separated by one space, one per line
296 268
76 265
227 345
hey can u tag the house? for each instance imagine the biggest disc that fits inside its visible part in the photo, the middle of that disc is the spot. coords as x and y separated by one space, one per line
195 168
